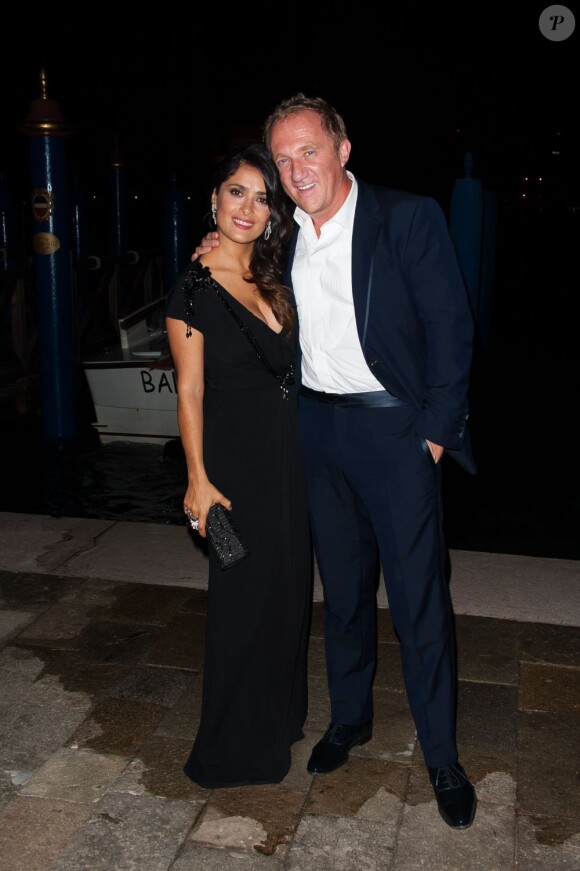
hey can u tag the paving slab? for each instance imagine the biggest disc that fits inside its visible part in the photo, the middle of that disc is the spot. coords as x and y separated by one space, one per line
59 627
487 716
194 857
32 591
8 786
77 675
118 726
129 833
318 716
11 622
248 818
330 843
371 789
487 649
541 642
547 687
34 833
76 775
548 844
119 601
494 780
182 720
181 643
523 588
549 761
394 737
389 673
32 733
425 841
162 686
46 690
157 554
40 543
157 769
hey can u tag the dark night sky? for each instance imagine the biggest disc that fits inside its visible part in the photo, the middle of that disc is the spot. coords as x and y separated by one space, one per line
406 76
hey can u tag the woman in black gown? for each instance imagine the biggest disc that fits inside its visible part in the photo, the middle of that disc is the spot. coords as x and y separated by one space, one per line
230 329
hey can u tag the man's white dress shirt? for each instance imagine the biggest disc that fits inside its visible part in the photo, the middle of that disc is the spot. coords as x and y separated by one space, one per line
332 357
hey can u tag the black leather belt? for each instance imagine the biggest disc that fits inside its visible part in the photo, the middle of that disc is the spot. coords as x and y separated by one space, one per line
372 399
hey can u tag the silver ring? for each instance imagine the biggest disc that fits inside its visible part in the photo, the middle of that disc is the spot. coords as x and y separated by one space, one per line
194 521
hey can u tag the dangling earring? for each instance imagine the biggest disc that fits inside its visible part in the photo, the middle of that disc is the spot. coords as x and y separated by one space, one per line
214 213
268 231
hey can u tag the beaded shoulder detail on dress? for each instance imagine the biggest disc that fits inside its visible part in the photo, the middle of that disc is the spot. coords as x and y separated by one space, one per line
197 277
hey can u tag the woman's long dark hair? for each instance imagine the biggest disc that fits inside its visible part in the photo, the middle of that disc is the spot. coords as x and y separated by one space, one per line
269 255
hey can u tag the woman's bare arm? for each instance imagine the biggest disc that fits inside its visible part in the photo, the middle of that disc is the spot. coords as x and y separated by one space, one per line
187 355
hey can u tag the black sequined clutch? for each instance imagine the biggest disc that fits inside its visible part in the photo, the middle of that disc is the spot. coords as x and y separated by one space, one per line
224 537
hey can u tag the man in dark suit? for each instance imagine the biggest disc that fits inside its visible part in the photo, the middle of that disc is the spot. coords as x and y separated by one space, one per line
385 335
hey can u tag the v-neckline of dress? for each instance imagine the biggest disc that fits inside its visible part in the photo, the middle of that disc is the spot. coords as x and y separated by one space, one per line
241 304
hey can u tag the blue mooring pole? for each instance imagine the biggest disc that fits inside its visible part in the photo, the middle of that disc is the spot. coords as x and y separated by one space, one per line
175 233
118 203
79 210
8 229
466 227
487 280
46 131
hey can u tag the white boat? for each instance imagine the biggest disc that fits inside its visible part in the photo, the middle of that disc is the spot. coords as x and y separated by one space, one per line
133 384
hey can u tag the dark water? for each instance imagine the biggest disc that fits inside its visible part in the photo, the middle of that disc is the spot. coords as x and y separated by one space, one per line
114 481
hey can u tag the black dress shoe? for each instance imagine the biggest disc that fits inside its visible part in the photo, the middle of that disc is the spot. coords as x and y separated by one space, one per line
455 795
332 750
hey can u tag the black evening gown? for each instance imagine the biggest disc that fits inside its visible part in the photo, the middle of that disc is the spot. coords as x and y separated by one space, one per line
254 697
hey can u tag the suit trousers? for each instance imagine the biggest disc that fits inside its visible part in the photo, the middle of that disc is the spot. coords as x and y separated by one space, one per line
374 495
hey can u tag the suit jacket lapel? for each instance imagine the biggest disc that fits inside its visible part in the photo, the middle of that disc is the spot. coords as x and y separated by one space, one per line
366 228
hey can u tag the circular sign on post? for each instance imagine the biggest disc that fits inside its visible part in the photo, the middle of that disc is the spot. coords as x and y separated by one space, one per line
42 205
45 243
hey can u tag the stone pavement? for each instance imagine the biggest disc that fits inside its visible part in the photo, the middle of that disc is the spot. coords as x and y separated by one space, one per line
101 648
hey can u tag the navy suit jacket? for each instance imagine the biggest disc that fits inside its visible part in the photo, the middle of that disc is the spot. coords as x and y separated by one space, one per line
412 310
